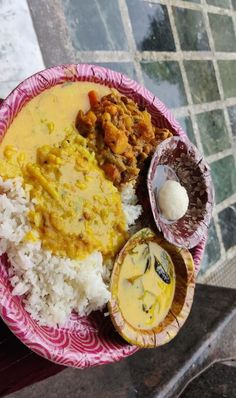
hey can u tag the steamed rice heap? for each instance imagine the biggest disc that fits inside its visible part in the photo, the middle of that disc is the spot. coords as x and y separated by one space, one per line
51 286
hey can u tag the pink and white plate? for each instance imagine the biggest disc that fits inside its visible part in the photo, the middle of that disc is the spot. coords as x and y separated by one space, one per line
83 341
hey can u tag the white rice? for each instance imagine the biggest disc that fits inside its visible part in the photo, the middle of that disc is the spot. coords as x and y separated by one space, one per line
52 286
130 207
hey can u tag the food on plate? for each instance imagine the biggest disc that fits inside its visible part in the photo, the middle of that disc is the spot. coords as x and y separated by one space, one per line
142 287
121 134
173 200
68 167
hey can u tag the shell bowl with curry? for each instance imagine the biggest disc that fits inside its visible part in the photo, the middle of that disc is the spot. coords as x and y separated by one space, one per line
152 287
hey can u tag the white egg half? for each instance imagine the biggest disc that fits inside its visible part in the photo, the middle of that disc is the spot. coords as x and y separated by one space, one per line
173 200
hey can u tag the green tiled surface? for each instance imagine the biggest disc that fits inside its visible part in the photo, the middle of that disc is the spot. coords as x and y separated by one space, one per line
224 177
219 3
223 32
227 220
151 26
213 131
191 29
234 4
212 252
232 118
202 81
228 77
123 67
95 25
187 126
164 80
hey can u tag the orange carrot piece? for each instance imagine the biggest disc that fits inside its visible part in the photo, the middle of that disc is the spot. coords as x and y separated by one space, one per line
93 98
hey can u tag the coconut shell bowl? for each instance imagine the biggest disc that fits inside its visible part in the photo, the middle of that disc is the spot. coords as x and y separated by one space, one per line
182 300
182 162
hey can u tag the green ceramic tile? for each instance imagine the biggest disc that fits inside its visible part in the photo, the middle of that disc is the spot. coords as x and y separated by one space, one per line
213 131
227 220
219 3
234 4
202 81
164 79
224 177
228 77
151 26
123 67
95 25
223 32
212 251
191 29
186 124
232 118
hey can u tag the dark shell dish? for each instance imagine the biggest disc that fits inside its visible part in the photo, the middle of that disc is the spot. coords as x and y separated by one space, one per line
185 164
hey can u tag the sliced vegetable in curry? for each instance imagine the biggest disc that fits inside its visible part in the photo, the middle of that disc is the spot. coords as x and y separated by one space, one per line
144 282
121 134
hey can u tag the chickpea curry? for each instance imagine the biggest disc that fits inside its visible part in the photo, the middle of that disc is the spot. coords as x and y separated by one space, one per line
120 133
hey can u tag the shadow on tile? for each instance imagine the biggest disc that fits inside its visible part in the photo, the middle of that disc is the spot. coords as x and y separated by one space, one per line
151 26
164 79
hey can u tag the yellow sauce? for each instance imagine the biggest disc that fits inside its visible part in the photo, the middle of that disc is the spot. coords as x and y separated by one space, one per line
46 119
144 297
77 210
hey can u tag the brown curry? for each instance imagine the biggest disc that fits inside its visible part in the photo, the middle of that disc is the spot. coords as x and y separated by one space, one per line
120 133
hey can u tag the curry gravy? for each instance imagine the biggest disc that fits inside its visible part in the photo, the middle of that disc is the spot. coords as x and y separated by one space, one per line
146 285
46 119
76 209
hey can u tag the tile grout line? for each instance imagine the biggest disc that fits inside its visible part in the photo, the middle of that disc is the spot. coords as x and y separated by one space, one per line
232 137
230 254
221 92
105 56
211 270
233 17
185 79
127 56
185 55
218 77
220 85
130 37
219 155
226 203
35 31
212 48
195 6
204 107
220 277
219 236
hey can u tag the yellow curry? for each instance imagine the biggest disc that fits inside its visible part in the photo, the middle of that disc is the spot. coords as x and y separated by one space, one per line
146 285
76 209
142 287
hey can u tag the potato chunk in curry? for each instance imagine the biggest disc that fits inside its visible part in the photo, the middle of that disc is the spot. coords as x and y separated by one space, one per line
120 133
